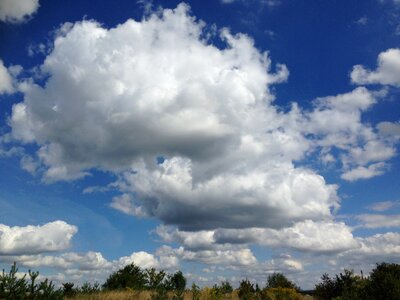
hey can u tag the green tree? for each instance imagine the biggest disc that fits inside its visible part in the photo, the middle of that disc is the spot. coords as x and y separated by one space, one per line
131 276
384 282
278 280
195 292
246 290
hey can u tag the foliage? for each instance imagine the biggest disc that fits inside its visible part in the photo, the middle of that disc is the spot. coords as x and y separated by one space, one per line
88 288
195 289
280 293
246 290
12 287
130 276
384 282
68 289
345 286
278 280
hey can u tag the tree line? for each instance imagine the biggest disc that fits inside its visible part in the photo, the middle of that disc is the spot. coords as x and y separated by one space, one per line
383 283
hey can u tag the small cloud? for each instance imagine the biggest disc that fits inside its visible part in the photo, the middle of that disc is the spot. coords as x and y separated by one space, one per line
386 73
365 172
378 221
383 205
362 21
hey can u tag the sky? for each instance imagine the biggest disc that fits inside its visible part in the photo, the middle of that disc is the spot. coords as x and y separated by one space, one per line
229 139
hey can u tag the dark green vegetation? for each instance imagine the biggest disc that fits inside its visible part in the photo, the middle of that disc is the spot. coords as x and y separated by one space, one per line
131 276
382 284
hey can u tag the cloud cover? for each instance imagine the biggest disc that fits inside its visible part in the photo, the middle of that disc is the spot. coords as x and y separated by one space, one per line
195 139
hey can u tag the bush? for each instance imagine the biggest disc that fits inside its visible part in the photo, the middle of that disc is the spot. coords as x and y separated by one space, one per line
280 293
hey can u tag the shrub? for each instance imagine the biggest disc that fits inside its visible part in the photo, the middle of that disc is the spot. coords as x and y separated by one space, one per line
280 293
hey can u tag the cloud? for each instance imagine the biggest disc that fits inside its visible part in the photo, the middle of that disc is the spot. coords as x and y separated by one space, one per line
389 129
383 205
271 196
228 257
142 111
378 221
306 236
17 11
365 172
53 236
6 84
387 72
191 132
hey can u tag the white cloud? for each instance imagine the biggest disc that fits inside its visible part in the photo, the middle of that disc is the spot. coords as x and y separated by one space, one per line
387 72
16 11
228 257
378 221
125 204
271 196
389 129
6 83
383 205
308 236
53 236
365 172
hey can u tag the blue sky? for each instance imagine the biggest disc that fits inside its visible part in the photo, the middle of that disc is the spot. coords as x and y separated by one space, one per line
228 139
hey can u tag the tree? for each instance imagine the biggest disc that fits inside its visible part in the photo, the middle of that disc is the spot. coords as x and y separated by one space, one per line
384 282
15 287
178 281
246 290
155 279
346 286
130 276
278 280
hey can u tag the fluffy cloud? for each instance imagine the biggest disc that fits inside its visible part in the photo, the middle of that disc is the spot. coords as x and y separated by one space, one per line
158 88
271 196
387 72
17 11
6 85
53 236
154 87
